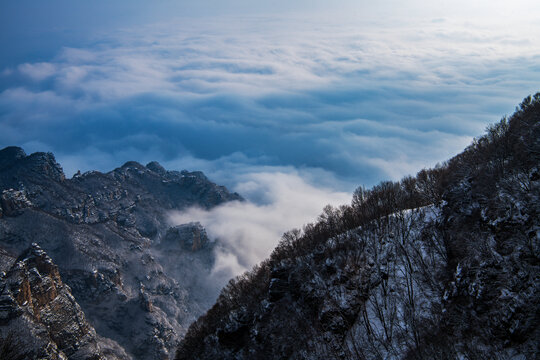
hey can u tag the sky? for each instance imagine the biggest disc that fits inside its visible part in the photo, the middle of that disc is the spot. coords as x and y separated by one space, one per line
312 98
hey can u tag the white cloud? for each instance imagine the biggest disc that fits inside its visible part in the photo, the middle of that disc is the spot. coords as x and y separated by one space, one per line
249 231
37 71
283 93
281 110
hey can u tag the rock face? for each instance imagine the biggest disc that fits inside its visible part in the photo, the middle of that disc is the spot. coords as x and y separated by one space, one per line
445 265
38 310
191 236
12 202
138 282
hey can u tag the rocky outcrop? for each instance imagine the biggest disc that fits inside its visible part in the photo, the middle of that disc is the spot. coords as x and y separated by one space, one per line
12 202
128 195
107 233
191 236
38 309
16 166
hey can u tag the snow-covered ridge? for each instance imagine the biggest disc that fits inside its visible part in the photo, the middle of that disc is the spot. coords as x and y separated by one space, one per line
103 231
443 265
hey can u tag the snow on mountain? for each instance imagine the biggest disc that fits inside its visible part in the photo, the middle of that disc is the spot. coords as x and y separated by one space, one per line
136 279
443 265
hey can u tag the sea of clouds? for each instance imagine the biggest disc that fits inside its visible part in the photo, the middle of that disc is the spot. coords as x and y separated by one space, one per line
363 102
292 113
248 231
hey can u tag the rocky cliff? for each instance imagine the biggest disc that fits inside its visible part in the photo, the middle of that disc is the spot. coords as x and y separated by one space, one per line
138 282
39 314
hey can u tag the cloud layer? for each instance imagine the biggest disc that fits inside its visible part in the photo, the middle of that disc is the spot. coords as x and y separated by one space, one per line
249 231
359 101
289 111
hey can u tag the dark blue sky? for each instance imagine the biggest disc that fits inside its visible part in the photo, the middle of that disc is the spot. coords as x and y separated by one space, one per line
341 95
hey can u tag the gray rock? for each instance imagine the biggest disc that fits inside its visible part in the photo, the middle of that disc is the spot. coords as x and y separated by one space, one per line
38 308
105 232
191 236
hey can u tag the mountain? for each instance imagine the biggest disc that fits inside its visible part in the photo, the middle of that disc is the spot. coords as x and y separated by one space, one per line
443 265
39 309
118 281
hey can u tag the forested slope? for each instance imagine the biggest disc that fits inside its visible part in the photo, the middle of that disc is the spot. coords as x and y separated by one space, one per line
443 265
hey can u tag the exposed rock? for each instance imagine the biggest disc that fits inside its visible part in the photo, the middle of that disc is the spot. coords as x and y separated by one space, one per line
39 309
12 202
10 155
156 167
191 236
105 232
279 284
144 300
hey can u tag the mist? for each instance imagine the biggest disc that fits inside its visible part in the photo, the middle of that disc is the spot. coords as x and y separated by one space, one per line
247 232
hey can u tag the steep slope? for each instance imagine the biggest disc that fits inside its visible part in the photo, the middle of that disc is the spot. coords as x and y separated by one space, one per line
38 310
105 232
444 265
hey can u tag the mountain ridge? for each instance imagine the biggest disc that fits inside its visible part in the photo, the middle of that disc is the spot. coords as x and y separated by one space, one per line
103 231
443 265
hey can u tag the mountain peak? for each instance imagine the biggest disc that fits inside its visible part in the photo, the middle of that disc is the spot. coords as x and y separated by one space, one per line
34 166
9 155
133 164
108 237
156 167
45 164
